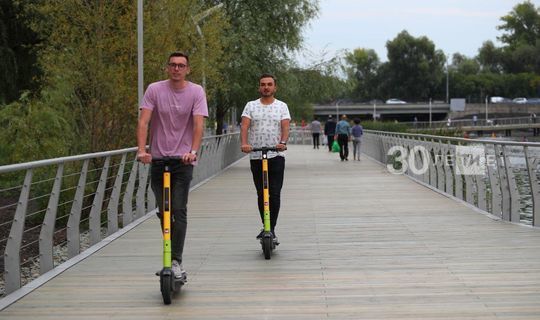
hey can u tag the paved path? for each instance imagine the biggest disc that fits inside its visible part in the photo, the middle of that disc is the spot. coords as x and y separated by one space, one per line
356 243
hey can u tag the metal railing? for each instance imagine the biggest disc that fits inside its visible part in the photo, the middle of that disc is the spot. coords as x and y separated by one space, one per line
481 122
52 210
498 177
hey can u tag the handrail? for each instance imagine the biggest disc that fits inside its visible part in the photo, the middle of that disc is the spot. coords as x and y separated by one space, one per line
71 203
498 177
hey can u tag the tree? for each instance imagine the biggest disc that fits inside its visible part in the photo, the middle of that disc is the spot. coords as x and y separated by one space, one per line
414 69
90 46
521 26
362 69
17 59
491 58
260 36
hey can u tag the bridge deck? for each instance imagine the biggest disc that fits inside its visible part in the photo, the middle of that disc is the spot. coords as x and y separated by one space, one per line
356 242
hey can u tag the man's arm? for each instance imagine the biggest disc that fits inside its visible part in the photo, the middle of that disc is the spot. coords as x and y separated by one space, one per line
285 126
198 129
142 135
244 127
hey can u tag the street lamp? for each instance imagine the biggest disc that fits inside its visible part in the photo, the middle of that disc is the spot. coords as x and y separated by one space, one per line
196 19
430 112
140 60
486 109
337 111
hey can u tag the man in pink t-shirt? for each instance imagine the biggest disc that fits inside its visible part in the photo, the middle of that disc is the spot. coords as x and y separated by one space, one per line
175 110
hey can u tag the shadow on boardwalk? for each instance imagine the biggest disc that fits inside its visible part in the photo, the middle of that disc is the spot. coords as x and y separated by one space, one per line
356 243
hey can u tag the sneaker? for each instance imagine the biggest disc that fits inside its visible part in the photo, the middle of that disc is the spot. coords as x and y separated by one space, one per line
178 270
274 238
260 235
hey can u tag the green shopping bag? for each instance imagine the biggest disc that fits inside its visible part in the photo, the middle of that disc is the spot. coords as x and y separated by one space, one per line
335 146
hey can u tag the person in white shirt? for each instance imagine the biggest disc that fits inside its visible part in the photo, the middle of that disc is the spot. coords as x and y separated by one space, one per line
265 123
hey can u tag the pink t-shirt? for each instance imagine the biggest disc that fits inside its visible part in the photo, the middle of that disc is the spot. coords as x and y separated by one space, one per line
171 126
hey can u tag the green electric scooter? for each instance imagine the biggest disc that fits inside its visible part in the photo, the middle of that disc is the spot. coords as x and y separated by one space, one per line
267 240
169 284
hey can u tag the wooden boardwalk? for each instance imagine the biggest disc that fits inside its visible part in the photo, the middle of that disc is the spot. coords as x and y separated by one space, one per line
356 243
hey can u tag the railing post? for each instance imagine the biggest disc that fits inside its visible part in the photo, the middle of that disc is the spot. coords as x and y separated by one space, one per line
46 235
73 230
503 178
97 205
112 207
532 164
140 201
12 255
127 202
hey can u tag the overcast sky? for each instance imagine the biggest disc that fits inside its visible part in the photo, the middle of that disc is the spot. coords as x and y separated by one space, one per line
453 25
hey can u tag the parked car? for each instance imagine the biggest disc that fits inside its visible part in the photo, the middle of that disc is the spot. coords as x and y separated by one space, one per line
499 100
533 100
520 100
395 101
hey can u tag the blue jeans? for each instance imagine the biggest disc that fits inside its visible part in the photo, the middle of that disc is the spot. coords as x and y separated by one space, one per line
181 175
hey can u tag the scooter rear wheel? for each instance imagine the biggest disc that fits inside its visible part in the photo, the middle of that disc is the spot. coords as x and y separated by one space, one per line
267 247
166 289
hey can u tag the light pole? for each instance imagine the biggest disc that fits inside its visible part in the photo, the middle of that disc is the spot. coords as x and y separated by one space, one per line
337 111
196 19
430 112
447 85
140 52
486 109
374 110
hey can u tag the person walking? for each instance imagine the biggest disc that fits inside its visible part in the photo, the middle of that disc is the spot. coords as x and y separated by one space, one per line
316 129
176 109
343 135
265 123
357 131
330 132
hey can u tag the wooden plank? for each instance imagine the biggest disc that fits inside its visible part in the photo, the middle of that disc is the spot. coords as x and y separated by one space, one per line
356 242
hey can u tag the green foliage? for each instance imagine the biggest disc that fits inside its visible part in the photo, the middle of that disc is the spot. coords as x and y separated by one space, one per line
17 60
35 130
415 68
521 26
260 36
362 68
387 126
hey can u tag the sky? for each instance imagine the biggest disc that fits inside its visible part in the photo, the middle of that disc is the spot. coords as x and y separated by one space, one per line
453 25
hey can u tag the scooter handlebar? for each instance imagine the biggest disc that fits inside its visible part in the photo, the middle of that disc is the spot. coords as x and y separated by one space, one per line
265 149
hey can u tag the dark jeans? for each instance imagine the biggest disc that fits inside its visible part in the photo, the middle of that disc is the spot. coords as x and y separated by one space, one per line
330 141
315 140
276 170
181 175
343 141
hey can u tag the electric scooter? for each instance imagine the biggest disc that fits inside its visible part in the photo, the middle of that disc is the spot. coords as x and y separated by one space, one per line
169 284
268 242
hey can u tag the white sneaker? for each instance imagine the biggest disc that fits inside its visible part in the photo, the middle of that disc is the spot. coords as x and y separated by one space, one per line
178 270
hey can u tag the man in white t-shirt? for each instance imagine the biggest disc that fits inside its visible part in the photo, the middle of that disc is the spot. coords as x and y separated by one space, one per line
265 123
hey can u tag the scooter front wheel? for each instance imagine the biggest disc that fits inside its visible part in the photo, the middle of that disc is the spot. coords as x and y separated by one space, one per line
267 247
166 288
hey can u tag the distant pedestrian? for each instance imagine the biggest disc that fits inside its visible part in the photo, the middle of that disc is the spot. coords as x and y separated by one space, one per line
357 132
316 129
474 120
343 135
415 122
330 131
449 122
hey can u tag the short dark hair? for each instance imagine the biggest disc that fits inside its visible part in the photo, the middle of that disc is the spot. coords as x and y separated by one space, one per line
356 121
178 54
268 75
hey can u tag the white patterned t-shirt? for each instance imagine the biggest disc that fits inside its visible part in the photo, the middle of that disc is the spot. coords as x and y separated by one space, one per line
265 127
